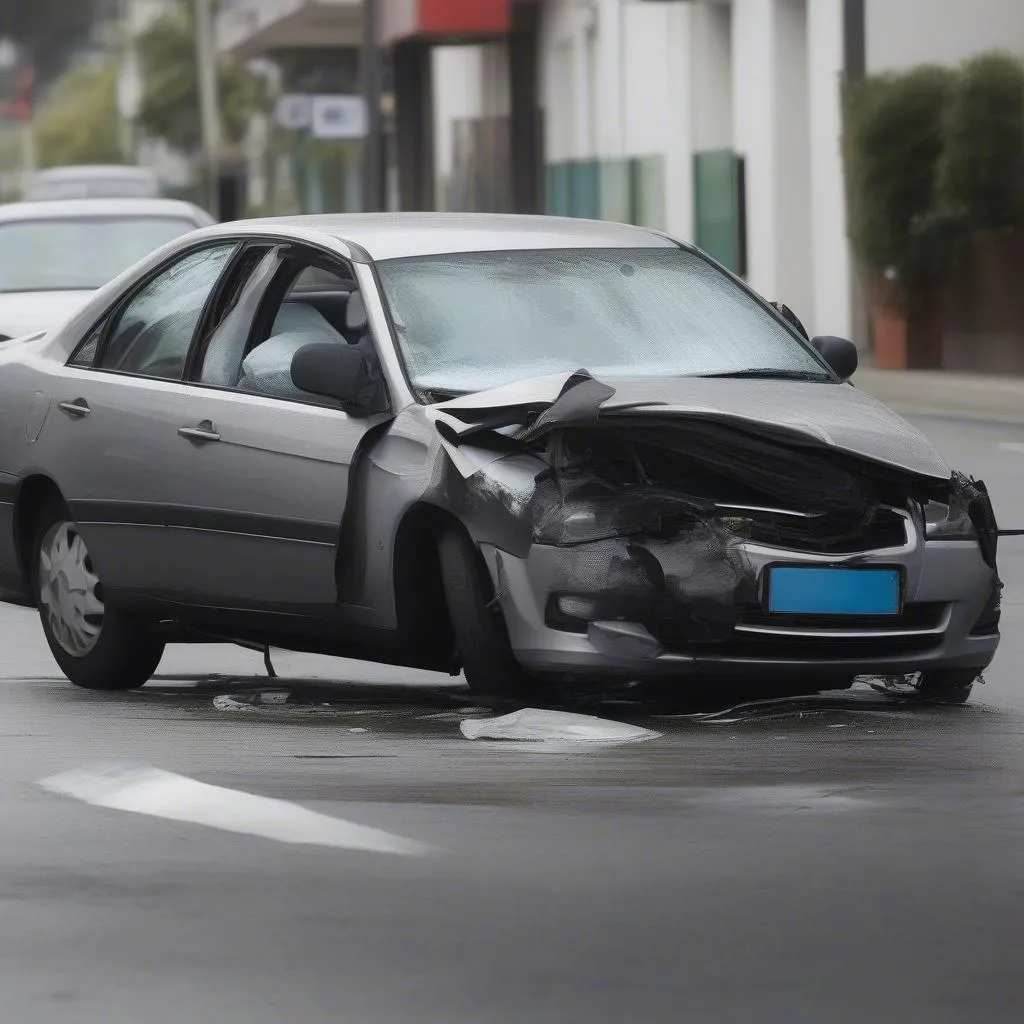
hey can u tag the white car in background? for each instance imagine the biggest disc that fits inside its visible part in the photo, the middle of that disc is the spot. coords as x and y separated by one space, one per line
94 181
54 255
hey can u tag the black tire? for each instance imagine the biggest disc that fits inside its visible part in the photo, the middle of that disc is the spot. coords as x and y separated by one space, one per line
480 634
123 655
948 686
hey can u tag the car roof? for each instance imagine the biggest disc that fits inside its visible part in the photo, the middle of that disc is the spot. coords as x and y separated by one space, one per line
94 171
384 236
60 209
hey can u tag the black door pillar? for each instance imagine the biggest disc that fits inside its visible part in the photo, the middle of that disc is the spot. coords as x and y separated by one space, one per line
414 124
525 125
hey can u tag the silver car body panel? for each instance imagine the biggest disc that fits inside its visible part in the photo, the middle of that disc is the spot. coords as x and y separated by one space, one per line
299 511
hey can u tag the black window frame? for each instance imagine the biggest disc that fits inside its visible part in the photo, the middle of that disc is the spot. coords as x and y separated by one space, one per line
213 314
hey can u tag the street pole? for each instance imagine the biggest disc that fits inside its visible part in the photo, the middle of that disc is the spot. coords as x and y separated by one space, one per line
854 70
209 102
373 148
29 157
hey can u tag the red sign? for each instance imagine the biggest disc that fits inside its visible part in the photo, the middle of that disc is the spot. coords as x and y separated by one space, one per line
441 20
464 17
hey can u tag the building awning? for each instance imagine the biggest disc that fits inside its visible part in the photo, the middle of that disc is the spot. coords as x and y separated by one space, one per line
444 21
251 32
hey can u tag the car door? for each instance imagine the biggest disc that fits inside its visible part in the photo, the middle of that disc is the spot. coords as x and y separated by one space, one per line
111 441
255 516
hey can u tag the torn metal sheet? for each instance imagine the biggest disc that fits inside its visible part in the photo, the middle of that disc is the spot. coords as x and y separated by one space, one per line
835 416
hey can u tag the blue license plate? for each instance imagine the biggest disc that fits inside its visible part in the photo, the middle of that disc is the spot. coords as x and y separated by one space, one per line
827 591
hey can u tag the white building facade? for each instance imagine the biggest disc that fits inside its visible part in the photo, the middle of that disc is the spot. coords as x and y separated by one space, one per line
719 121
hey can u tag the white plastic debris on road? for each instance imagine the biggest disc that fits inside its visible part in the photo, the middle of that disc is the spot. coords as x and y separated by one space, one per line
162 794
226 703
538 726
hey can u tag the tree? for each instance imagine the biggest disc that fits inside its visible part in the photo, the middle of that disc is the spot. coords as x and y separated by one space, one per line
170 100
78 124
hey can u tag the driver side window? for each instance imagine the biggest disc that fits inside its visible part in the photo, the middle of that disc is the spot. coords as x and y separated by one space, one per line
298 304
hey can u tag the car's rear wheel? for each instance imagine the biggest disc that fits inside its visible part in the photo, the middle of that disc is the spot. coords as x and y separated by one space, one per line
947 686
95 645
480 635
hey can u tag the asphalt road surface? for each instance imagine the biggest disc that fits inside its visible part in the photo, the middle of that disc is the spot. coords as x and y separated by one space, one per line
846 858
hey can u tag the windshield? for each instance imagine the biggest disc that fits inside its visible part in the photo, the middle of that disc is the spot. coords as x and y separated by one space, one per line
472 321
86 253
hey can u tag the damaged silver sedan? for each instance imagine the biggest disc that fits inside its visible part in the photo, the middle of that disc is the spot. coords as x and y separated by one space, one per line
535 450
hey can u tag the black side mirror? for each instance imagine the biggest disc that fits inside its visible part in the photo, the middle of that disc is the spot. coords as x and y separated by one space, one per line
791 318
839 353
339 371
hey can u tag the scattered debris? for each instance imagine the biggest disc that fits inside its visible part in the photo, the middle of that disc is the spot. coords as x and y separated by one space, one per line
897 686
251 701
274 697
454 716
226 703
540 726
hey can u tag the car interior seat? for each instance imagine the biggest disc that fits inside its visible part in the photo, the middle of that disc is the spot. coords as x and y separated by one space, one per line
267 368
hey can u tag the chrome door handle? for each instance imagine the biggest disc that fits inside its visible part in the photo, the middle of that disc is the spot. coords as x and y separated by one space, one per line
77 409
205 431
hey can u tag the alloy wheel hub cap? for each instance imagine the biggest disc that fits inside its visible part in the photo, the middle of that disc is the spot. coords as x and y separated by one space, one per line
69 591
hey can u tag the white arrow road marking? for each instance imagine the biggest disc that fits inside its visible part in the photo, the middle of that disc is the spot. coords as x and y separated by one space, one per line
161 794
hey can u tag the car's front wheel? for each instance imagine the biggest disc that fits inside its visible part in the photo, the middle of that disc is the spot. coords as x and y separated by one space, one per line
95 645
480 634
949 686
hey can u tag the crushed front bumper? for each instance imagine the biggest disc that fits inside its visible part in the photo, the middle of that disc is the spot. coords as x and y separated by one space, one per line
948 622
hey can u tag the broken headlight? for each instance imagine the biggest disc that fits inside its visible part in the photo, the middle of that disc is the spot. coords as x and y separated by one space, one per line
948 522
624 514
578 523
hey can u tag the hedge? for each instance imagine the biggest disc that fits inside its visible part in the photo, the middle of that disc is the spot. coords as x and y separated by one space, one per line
932 154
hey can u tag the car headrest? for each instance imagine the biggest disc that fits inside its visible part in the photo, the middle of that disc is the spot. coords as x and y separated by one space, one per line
355 312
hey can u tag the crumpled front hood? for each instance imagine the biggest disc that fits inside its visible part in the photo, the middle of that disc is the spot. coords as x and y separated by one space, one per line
23 313
825 415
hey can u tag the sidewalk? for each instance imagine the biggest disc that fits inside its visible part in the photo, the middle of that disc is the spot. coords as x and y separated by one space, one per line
989 398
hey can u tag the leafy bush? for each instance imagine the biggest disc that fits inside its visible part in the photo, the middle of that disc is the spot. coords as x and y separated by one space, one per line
981 172
931 155
893 140
170 101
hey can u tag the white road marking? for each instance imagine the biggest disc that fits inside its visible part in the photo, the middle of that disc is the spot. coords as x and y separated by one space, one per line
789 798
143 790
1011 446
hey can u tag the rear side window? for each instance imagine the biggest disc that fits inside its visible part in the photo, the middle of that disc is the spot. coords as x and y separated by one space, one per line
153 335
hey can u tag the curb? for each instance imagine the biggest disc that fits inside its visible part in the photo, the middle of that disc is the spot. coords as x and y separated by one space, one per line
993 417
